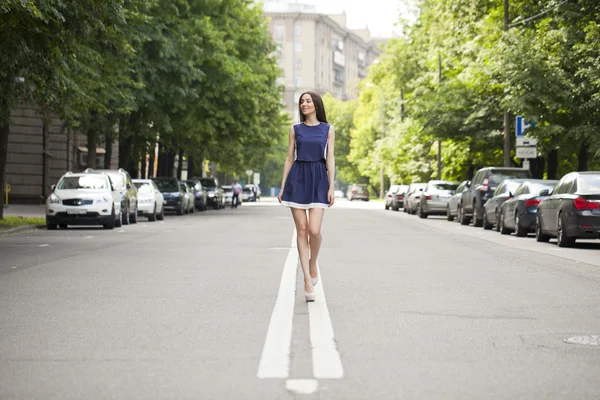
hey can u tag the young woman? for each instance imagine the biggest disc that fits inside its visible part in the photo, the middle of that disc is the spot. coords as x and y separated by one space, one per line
307 182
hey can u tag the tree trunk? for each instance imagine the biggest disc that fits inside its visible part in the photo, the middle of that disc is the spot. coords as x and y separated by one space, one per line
190 166
45 157
4 131
108 149
552 164
583 158
166 162
180 164
537 167
92 137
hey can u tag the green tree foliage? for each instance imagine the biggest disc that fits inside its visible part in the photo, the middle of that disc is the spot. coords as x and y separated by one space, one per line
456 70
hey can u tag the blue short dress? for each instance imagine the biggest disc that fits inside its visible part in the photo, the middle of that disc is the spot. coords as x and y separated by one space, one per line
307 183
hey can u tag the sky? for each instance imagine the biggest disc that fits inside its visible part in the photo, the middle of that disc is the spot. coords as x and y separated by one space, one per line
378 15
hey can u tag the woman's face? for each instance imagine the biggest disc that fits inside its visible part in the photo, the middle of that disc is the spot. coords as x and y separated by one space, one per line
306 104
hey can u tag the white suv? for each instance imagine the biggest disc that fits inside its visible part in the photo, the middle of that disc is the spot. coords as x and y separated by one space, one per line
83 199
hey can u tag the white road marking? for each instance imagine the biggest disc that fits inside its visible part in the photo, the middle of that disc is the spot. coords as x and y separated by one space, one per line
302 386
88 237
275 359
327 363
44 245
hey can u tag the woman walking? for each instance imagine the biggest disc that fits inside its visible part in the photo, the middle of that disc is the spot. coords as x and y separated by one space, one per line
308 182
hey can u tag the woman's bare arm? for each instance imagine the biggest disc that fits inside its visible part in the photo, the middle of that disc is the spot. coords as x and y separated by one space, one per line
289 160
331 164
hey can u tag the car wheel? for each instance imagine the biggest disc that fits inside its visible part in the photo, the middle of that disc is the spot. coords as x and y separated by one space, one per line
125 219
387 207
133 217
561 236
111 224
422 214
503 229
449 216
180 210
497 224
119 221
477 222
161 216
152 217
50 226
520 231
539 233
464 220
486 224
63 226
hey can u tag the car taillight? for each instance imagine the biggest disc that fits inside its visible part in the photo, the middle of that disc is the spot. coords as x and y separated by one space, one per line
532 202
484 186
428 197
400 196
417 196
581 203
354 192
389 195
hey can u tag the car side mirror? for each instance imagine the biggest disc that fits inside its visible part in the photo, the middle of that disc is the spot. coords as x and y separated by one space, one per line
113 188
128 186
510 195
53 187
545 192
468 184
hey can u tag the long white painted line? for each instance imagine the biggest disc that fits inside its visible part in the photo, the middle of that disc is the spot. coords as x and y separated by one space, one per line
275 359
327 363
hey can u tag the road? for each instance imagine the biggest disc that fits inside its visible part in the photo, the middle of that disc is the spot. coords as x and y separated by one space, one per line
204 307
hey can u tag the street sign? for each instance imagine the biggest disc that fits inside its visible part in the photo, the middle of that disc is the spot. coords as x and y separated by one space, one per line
521 126
256 178
526 152
525 142
249 172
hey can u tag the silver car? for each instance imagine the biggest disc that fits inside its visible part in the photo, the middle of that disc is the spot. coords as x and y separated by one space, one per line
389 196
452 207
435 198
413 195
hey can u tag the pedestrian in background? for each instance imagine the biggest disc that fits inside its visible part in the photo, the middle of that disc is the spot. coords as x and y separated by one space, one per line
308 182
235 197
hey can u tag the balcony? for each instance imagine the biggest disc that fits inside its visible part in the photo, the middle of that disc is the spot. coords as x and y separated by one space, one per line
339 59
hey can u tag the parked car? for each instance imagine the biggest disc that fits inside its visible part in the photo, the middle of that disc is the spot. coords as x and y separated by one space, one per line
452 207
572 210
482 188
122 182
389 196
172 193
491 208
200 195
398 198
227 193
83 199
519 212
216 199
188 197
255 192
413 195
435 197
358 191
339 194
150 200
247 195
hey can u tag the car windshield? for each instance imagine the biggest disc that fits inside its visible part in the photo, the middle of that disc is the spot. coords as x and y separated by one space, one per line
393 188
167 186
511 186
498 177
536 188
192 184
208 182
117 180
227 188
402 189
91 182
247 190
445 187
144 187
589 183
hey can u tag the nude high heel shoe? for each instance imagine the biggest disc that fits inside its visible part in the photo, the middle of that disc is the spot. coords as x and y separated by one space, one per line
315 280
309 296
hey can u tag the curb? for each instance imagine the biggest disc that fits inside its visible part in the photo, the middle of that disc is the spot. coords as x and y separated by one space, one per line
21 229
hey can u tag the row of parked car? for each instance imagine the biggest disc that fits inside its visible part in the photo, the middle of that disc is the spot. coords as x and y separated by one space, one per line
510 200
111 198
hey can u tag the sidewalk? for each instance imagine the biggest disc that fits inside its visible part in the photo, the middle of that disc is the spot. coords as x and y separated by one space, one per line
25 210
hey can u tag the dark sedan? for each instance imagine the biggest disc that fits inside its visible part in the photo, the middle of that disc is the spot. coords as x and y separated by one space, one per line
518 213
572 211
491 208
172 193
200 195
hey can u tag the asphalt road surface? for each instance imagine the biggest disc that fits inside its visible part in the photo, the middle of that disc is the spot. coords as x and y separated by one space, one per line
211 306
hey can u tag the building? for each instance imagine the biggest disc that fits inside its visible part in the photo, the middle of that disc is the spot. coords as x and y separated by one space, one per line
317 52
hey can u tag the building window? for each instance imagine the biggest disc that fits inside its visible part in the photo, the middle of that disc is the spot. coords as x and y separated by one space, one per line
298 64
298 47
279 33
297 30
298 81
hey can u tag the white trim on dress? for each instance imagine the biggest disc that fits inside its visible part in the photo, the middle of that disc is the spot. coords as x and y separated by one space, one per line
304 206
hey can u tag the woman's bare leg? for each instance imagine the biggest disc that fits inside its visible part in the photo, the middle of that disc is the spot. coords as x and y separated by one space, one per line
315 218
301 222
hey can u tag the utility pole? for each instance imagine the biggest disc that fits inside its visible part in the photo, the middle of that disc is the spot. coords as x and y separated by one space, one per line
507 162
439 142
381 189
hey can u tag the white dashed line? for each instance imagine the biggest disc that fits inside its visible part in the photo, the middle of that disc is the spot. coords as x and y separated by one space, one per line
44 245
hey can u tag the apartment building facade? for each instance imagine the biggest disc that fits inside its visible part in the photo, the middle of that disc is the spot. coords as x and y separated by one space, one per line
317 52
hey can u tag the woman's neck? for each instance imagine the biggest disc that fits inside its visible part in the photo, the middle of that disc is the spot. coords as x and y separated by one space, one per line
311 120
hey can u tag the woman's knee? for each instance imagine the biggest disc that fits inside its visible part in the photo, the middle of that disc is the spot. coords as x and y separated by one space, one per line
302 229
314 232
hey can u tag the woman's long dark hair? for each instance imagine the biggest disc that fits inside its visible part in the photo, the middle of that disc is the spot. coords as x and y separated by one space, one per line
319 107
